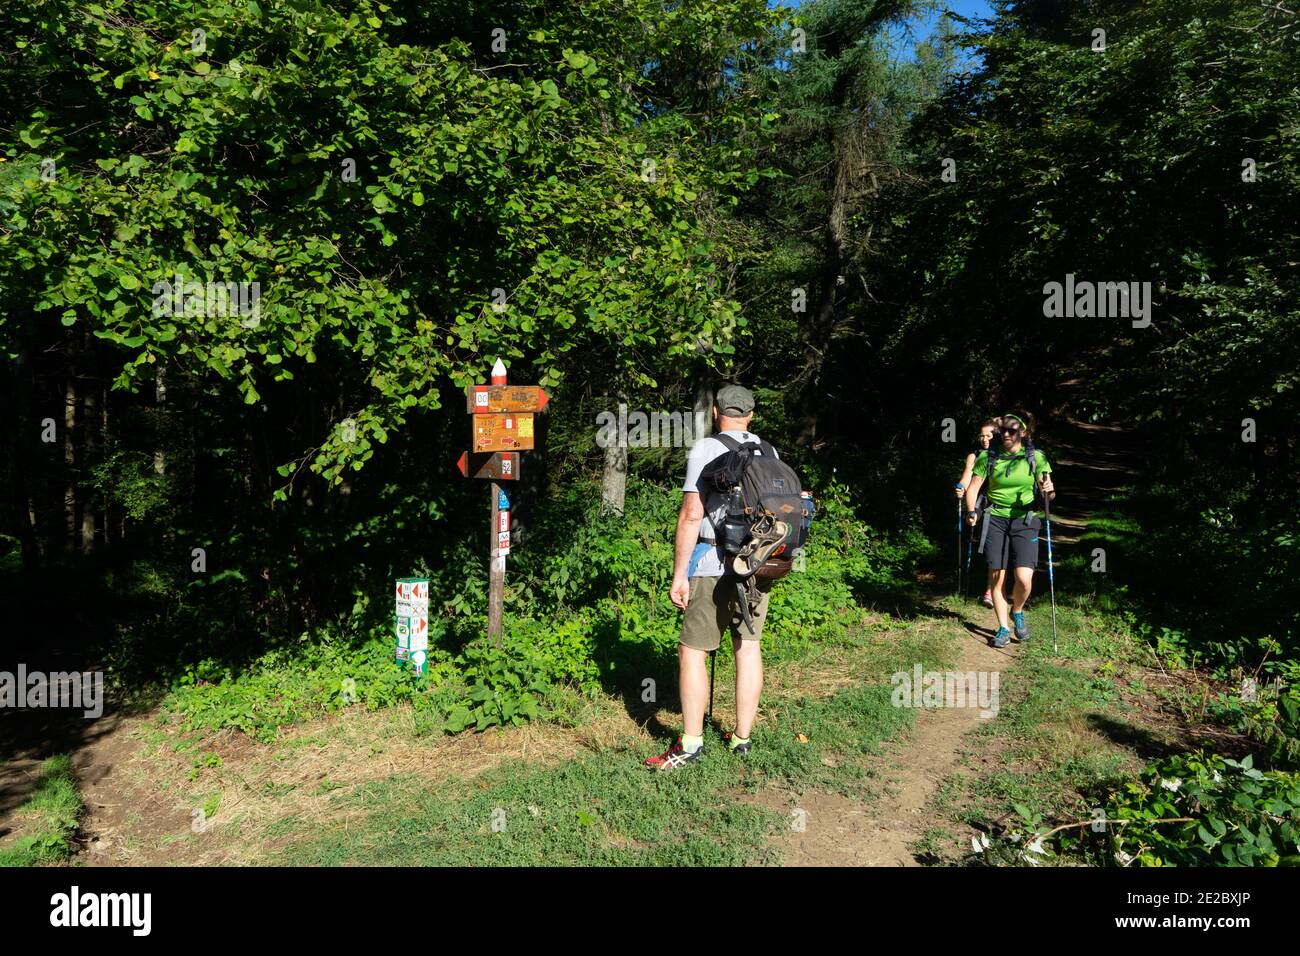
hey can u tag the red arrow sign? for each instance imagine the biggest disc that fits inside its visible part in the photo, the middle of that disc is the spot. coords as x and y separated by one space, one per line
501 466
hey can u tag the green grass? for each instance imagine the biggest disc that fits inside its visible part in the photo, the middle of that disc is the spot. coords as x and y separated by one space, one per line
606 809
603 810
931 844
53 811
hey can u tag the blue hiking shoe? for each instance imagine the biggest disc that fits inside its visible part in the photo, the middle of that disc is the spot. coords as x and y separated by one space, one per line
1001 639
1022 629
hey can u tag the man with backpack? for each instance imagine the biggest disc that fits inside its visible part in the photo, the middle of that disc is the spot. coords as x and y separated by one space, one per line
742 516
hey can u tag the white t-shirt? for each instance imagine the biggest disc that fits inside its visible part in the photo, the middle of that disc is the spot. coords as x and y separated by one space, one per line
708 563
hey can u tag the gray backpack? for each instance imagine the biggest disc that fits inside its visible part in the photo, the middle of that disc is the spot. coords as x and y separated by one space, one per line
758 486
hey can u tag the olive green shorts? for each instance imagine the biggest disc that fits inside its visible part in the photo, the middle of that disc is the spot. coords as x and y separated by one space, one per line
711 610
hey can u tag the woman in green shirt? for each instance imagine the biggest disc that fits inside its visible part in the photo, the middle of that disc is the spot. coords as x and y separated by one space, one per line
1011 524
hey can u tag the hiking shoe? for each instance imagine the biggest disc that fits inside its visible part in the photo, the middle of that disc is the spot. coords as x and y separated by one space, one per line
987 599
1002 638
1022 629
674 757
759 549
738 748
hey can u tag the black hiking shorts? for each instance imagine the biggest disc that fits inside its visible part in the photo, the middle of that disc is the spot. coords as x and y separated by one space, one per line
1012 542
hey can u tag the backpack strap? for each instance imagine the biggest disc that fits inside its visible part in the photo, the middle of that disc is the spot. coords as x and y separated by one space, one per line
733 444
1033 468
725 478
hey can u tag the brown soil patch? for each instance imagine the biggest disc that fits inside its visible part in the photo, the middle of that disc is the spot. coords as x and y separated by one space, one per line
142 793
839 831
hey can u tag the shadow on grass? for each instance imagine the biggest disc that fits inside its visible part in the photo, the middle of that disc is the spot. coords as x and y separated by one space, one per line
1140 740
625 666
901 600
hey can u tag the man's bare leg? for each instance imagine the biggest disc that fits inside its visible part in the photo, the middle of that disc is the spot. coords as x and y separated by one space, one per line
693 684
749 684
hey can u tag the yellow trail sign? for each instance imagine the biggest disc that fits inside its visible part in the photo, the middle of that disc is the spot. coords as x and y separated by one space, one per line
503 431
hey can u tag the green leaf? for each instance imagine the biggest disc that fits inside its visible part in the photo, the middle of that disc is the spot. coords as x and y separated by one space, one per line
458 719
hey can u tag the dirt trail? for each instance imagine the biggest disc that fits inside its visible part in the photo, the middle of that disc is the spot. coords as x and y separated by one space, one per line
1089 462
839 831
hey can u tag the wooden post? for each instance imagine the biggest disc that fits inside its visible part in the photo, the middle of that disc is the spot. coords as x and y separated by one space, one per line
497 565
501 428
496 571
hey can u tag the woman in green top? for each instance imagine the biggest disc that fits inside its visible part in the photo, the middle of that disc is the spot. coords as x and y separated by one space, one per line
1011 524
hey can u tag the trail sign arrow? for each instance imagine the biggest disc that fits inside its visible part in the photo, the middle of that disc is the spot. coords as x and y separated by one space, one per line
499 466
485 399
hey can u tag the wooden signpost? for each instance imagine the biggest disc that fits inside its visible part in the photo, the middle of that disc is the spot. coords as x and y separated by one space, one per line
501 427
483 399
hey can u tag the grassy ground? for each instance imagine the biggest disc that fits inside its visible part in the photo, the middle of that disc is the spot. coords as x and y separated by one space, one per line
48 819
361 788
369 787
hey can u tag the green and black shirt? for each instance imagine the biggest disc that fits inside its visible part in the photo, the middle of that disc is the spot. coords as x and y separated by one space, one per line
1011 489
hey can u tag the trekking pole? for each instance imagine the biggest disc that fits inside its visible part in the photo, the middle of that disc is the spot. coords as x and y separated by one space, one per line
712 656
1051 577
970 547
959 523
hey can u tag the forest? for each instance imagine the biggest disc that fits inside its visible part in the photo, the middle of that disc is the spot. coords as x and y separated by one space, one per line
253 253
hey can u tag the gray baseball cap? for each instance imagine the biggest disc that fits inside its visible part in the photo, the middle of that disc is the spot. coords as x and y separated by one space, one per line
735 401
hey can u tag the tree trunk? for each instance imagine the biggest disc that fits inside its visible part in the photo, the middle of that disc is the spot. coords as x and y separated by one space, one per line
702 413
613 483
819 333
20 446
106 515
159 395
69 459
89 443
